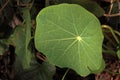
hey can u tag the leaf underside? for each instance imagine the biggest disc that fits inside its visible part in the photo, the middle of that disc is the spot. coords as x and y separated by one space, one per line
70 36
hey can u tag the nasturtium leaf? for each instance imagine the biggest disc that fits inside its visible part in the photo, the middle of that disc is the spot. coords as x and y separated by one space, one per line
70 36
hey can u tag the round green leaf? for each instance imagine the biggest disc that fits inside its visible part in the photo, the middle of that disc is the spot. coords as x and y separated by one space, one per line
70 36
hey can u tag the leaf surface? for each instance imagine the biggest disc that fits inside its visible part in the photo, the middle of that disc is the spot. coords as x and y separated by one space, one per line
90 5
70 36
44 71
18 39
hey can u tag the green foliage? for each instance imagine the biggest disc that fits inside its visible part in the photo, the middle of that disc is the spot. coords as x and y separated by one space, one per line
18 39
21 39
3 46
70 36
90 5
44 71
113 40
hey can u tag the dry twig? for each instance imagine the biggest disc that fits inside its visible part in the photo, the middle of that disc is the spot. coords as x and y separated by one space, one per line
112 15
4 6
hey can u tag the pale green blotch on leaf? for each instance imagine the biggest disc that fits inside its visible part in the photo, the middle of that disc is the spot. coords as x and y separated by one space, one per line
70 36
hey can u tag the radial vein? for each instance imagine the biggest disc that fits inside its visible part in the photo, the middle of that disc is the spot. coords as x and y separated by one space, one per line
59 39
61 28
69 46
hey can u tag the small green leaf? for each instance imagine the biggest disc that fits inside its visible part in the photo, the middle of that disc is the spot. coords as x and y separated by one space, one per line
44 71
18 39
70 36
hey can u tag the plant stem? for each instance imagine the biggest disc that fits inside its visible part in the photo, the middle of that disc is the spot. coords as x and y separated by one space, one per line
118 33
109 51
108 38
27 19
108 27
65 74
111 72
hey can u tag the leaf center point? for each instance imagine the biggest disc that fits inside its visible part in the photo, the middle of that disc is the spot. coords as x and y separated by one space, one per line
79 38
